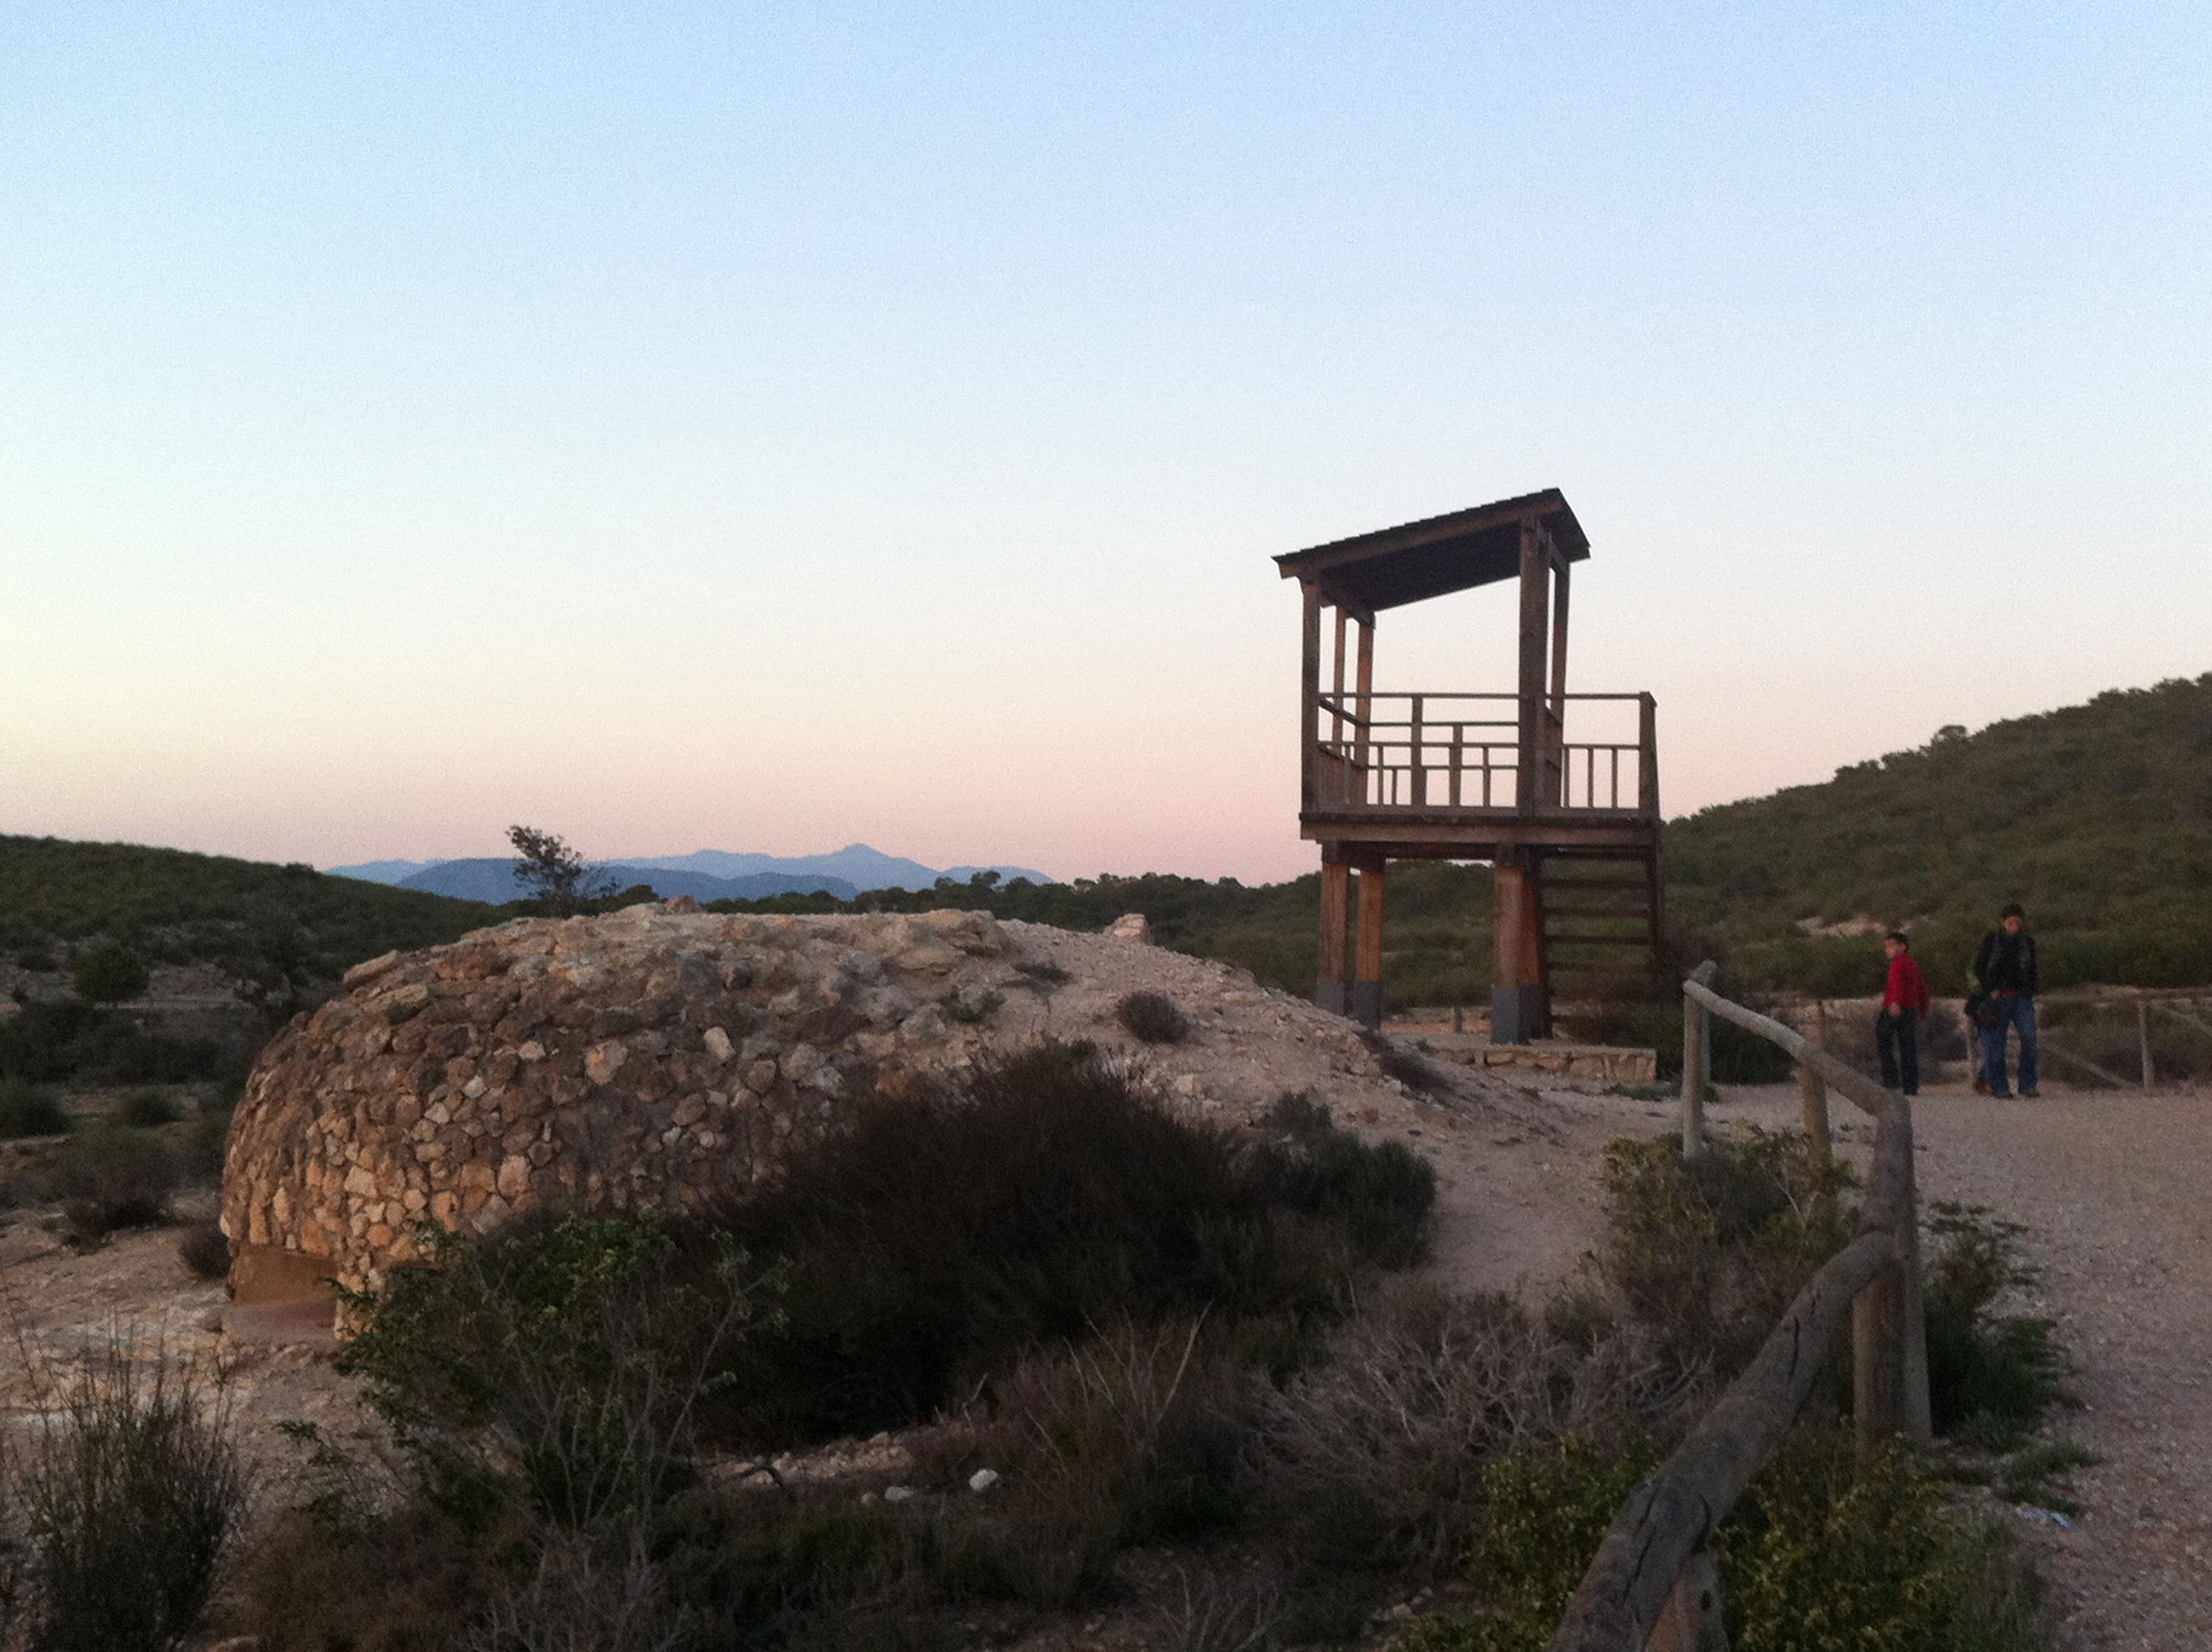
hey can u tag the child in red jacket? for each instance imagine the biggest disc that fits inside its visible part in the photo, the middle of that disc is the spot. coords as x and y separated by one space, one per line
1897 1028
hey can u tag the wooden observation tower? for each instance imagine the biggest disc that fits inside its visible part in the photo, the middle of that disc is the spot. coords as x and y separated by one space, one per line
1571 825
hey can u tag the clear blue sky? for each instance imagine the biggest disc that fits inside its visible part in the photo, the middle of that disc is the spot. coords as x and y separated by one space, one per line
767 426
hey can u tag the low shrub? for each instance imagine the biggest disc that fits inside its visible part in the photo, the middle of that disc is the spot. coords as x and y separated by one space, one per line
973 1011
109 973
131 1498
1042 975
28 1109
147 1109
1153 1018
556 1365
1130 1436
1817 1555
204 1249
1229 1609
1709 1251
1823 1553
584 1594
322 1579
1548 1508
941 1234
1991 1374
205 1145
1421 1076
1379 1453
48 1043
111 1177
813 1569
2037 1473
1379 1196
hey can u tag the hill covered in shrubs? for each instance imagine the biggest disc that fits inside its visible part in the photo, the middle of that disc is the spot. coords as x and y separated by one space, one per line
170 906
2096 817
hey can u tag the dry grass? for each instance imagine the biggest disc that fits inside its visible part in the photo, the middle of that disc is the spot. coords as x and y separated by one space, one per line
132 1493
1375 1456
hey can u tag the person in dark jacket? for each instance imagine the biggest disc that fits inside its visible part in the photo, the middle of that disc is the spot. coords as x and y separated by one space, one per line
2004 972
1897 1028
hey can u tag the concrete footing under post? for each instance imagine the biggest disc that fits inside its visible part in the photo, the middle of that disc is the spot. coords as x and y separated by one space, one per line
1515 1014
1367 1004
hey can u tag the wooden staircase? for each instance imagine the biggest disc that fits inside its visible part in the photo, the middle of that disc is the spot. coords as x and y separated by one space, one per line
1601 916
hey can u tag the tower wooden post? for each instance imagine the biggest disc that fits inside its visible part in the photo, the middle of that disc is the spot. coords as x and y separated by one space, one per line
1517 1009
1330 992
1530 792
1367 969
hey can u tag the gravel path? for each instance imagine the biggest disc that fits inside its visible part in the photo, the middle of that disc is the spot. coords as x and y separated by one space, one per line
2114 1190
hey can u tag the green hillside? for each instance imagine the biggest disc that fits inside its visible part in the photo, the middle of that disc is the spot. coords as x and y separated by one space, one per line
177 907
2097 818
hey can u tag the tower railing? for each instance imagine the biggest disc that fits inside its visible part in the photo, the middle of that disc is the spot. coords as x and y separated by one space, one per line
1454 749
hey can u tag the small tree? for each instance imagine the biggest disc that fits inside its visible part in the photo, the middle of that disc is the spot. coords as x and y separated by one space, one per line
553 872
275 966
109 973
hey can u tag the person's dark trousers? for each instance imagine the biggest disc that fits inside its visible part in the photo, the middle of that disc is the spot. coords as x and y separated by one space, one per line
1897 1040
2014 1010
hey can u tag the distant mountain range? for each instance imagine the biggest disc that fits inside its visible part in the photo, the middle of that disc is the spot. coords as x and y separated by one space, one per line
707 875
494 880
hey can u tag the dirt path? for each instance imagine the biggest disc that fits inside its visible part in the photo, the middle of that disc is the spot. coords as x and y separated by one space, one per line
2114 1190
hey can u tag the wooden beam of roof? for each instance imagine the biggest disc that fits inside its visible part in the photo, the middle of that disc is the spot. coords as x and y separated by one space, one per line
1439 555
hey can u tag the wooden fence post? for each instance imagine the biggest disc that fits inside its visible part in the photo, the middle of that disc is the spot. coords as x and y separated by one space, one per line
1889 1324
1918 1414
1877 1387
1812 1088
1691 1620
2143 1033
1697 1044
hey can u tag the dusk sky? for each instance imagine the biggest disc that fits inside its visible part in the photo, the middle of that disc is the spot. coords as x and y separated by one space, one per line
767 426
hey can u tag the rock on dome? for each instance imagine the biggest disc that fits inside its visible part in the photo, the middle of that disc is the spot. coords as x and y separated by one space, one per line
642 1058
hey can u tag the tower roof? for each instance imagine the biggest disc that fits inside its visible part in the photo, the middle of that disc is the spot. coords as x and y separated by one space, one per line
1392 566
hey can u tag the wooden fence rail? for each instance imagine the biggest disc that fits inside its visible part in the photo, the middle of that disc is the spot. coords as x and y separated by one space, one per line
2167 1000
1652 1583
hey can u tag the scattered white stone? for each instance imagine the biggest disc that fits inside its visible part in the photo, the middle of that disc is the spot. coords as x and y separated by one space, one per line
982 1479
898 1494
1131 926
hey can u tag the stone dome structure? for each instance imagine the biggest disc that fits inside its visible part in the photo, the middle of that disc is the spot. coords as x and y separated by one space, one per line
657 1055
650 1056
